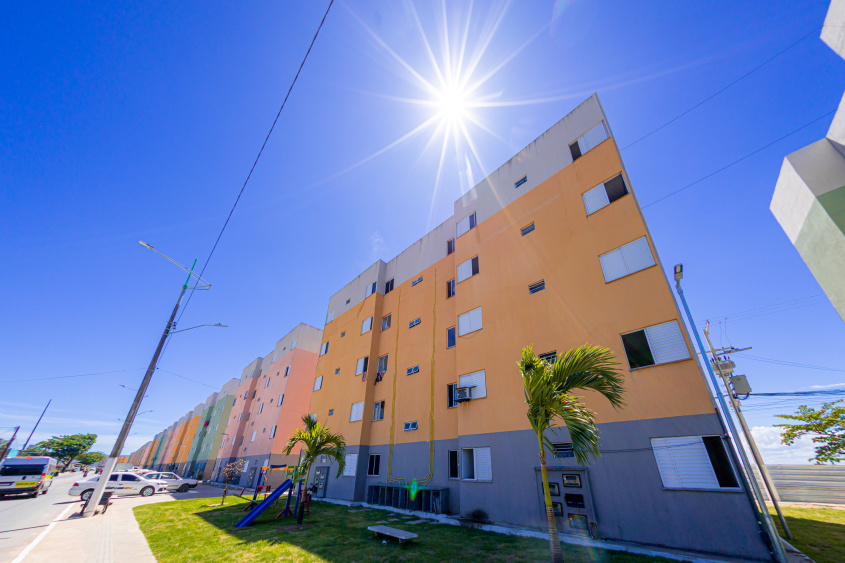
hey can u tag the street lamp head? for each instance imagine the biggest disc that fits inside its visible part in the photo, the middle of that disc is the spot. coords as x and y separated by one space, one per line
142 243
679 272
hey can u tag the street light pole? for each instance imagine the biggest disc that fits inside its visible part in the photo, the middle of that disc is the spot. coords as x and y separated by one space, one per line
130 418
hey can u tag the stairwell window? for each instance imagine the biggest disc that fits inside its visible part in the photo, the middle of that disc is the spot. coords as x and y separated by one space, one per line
412 370
536 287
266 382
526 229
373 465
287 371
388 287
324 349
281 399
467 269
260 408
450 337
273 432
454 464
414 322
450 288
367 325
653 345
604 194
694 462
520 181
385 322
450 392
416 281
450 246
254 432
378 410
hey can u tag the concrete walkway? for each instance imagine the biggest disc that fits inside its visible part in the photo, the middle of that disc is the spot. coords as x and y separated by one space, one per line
104 538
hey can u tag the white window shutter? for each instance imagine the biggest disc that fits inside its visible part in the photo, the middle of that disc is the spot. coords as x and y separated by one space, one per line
356 412
367 325
463 227
592 138
613 265
351 465
478 381
667 343
483 464
469 322
683 463
595 199
637 255
318 383
465 270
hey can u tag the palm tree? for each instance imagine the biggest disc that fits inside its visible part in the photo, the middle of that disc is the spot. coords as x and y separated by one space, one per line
316 440
548 394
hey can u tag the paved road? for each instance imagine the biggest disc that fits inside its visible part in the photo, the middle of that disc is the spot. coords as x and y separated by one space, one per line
22 519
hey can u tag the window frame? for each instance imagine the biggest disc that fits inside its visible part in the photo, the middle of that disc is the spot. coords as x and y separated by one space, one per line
450 288
450 246
387 318
388 286
378 408
371 466
536 287
451 401
454 332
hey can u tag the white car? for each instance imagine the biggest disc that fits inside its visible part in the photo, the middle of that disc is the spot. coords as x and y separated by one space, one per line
174 482
123 483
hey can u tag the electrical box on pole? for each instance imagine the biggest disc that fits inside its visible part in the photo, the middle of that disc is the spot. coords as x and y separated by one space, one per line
740 385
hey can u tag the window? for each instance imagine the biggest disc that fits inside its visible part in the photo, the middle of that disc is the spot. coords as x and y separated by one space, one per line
658 344
239 416
382 364
388 287
550 357
324 349
260 408
693 462
356 412
520 181
385 322
604 194
414 323
476 464
450 391
410 426
537 287
627 259
348 300
235 400
362 365
331 412
413 370
273 432
450 246
527 229
367 325
465 225
454 465
281 399
313 417
416 281
369 290
477 382
467 269
373 465
252 439
588 140
337 371
351 462
378 410
266 383
450 337
450 288
287 371
318 383
469 322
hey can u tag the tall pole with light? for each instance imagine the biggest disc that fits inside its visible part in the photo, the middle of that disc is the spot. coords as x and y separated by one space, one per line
94 501
751 486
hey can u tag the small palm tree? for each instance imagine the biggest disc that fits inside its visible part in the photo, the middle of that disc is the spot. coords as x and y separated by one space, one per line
316 440
548 395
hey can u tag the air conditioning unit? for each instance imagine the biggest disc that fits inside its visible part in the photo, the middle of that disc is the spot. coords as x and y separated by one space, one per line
462 395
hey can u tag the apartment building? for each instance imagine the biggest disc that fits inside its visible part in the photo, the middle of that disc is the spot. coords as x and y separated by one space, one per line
417 365
809 198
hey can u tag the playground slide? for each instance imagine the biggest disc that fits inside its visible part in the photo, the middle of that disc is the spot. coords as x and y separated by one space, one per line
271 498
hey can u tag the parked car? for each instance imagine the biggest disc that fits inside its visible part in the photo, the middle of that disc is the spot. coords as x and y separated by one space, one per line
121 484
26 475
174 482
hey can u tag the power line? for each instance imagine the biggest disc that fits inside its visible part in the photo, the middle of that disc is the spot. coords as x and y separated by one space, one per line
188 378
771 309
791 364
710 97
691 184
69 376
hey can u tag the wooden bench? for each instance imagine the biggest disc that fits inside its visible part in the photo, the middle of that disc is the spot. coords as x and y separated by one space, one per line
401 535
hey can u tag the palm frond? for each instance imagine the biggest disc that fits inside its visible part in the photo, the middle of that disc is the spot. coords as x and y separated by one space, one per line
317 440
590 367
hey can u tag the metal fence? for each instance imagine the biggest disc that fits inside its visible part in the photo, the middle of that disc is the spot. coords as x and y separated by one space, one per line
807 483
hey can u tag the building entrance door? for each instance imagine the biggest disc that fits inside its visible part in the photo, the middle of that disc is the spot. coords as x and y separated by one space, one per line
320 481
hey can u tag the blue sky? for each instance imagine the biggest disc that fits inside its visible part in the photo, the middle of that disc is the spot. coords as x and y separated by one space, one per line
121 122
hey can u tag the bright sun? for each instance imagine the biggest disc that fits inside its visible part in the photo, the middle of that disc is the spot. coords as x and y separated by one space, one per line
453 103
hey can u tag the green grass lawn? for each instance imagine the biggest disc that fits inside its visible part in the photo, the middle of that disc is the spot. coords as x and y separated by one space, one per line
194 530
819 532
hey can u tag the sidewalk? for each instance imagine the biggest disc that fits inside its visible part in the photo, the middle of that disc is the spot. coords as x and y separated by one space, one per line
104 538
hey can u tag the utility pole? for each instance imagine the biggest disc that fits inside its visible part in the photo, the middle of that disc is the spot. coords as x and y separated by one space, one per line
25 444
751 486
8 445
764 472
94 501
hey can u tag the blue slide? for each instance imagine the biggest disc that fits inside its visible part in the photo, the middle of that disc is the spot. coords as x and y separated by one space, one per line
271 498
